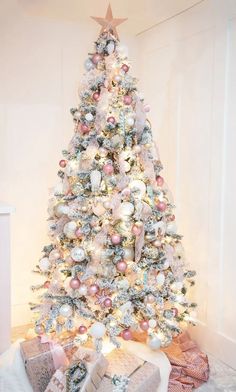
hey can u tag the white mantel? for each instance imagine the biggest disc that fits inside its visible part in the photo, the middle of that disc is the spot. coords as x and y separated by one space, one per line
5 277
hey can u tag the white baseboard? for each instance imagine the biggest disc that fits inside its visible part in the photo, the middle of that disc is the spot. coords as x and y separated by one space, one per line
20 314
220 346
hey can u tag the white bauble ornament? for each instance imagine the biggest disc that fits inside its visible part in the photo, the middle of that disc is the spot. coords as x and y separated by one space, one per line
171 228
44 264
61 209
83 289
65 310
152 323
54 255
160 279
97 330
126 209
95 179
88 64
77 254
129 254
130 121
154 342
69 229
138 187
89 117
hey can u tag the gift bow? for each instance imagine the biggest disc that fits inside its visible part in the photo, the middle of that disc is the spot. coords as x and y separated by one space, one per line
58 354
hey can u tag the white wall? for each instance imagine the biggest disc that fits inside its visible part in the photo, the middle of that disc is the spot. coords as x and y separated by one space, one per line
41 64
188 74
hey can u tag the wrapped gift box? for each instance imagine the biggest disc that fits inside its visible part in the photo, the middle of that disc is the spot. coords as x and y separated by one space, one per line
96 365
143 376
39 359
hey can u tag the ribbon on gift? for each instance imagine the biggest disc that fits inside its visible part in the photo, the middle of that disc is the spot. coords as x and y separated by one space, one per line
58 354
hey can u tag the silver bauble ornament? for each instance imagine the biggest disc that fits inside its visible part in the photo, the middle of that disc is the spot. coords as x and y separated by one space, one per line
44 264
69 229
77 254
97 330
154 342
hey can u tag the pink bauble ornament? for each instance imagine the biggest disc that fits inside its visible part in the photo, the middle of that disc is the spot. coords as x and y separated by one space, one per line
39 329
78 232
96 58
84 128
150 299
147 108
125 68
144 325
136 230
96 96
161 206
127 100
74 283
111 120
116 239
107 303
108 169
121 266
82 329
160 180
46 284
62 163
93 289
126 334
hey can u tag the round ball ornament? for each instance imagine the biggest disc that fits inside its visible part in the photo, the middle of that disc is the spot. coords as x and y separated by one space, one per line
66 310
83 289
111 120
107 303
97 330
96 58
62 163
150 299
121 266
61 209
69 229
75 283
161 206
117 78
159 180
144 325
96 96
154 342
77 254
54 255
130 121
93 289
82 329
108 169
44 264
39 329
129 254
125 68
89 117
116 239
126 334
127 99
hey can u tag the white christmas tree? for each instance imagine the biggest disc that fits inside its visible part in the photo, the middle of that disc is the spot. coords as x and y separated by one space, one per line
115 266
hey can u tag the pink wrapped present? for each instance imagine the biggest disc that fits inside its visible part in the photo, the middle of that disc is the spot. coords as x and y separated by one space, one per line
142 376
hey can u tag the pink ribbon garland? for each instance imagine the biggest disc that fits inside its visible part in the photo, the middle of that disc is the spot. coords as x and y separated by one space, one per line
58 354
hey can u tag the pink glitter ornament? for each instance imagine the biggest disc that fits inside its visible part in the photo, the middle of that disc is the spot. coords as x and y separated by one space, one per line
84 128
107 303
144 325
62 163
127 100
93 289
108 169
125 68
111 120
96 58
75 283
126 334
116 239
121 266
96 96
82 329
78 233
161 206
160 180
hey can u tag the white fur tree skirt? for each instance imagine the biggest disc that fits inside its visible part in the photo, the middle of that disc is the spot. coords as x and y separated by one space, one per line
13 377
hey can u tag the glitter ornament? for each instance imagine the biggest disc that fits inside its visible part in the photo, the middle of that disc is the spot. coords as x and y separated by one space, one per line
77 254
96 58
89 117
44 264
62 163
97 330
75 283
154 342
127 99
66 310
121 266
93 289
144 325
82 329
